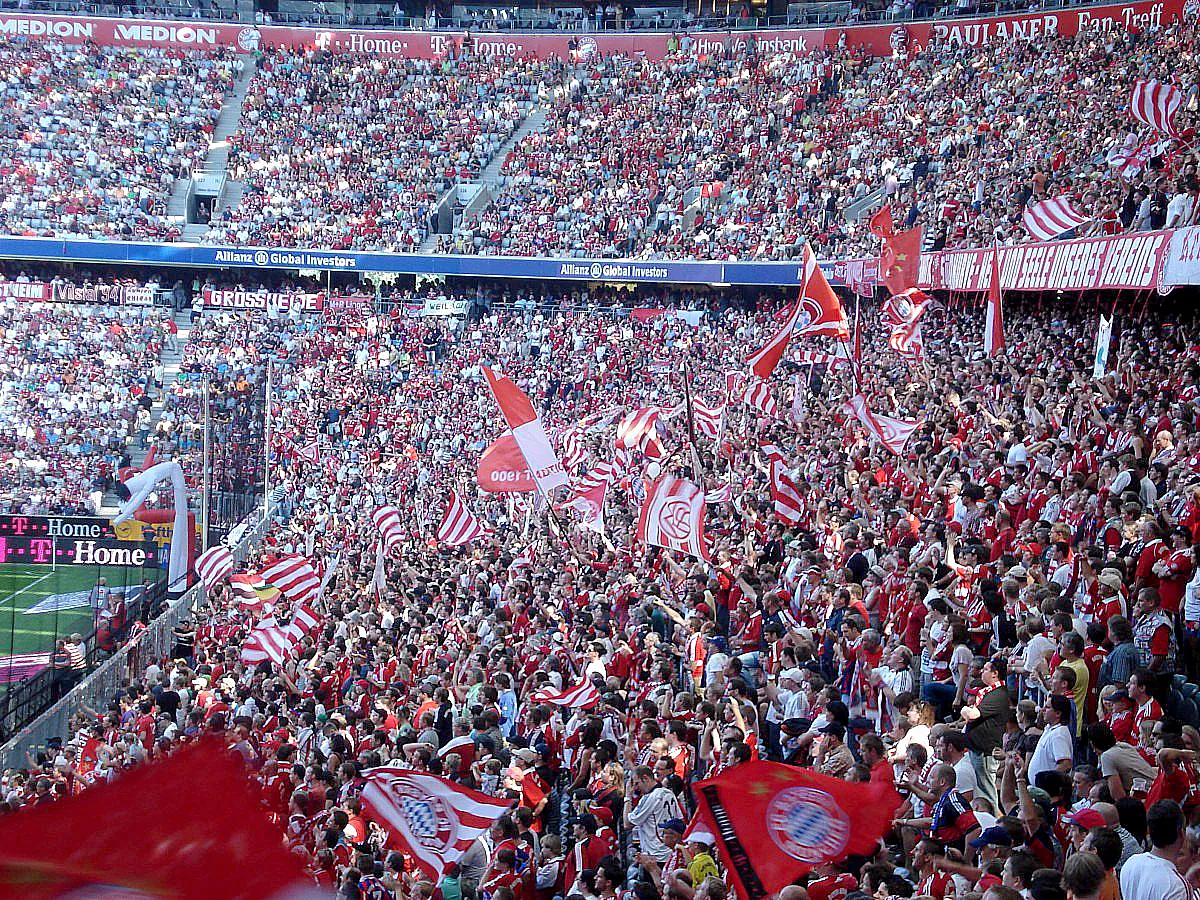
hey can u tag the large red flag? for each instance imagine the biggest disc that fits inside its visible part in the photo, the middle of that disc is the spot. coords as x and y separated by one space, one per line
189 826
527 429
817 311
881 223
433 820
900 261
502 468
774 822
993 319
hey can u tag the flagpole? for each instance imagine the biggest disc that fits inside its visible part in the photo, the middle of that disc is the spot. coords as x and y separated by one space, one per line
857 334
206 480
267 448
691 422
850 361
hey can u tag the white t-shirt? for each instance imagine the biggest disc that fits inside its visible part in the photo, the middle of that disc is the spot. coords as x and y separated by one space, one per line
1054 744
1148 877
965 779
647 818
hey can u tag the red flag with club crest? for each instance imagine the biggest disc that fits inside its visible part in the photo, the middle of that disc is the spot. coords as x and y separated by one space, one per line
816 311
774 823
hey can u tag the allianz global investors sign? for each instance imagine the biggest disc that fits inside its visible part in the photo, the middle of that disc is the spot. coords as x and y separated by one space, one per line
631 271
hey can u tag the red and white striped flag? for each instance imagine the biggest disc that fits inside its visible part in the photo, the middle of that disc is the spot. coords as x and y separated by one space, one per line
573 451
459 525
722 494
759 396
601 473
735 385
708 419
432 820
639 430
524 559
294 576
772 454
213 565
1155 103
252 592
387 521
892 433
304 621
1131 157
817 311
993 319
271 641
597 422
310 452
268 641
907 341
588 502
818 358
1048 219
789 505
672 516
583 696
621 462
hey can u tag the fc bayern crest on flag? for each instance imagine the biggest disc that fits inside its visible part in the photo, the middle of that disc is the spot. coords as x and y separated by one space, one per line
427 818
808 825
432 819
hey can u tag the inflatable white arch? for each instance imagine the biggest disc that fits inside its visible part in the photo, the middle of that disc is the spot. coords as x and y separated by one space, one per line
139 487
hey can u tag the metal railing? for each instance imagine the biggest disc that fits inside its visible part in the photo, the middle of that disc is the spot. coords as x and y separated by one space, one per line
206 11
117 672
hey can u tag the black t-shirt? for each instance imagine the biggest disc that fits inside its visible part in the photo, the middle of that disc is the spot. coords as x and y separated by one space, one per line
986 733
168 702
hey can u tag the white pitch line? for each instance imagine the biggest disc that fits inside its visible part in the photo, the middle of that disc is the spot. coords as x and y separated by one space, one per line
31 584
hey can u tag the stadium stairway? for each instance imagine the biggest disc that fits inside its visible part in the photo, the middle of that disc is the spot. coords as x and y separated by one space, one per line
171 360
218 157
490 177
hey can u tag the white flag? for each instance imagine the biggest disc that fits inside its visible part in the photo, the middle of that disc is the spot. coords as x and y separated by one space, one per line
1103 339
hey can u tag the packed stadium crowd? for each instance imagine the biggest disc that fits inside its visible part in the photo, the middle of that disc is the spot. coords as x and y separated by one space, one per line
349 152
740 154
93 138
77 386
995 621
959 580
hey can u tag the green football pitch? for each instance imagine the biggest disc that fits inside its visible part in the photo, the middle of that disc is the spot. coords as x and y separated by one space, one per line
40 603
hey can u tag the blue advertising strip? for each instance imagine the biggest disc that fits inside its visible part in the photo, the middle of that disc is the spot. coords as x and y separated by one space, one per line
193 255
